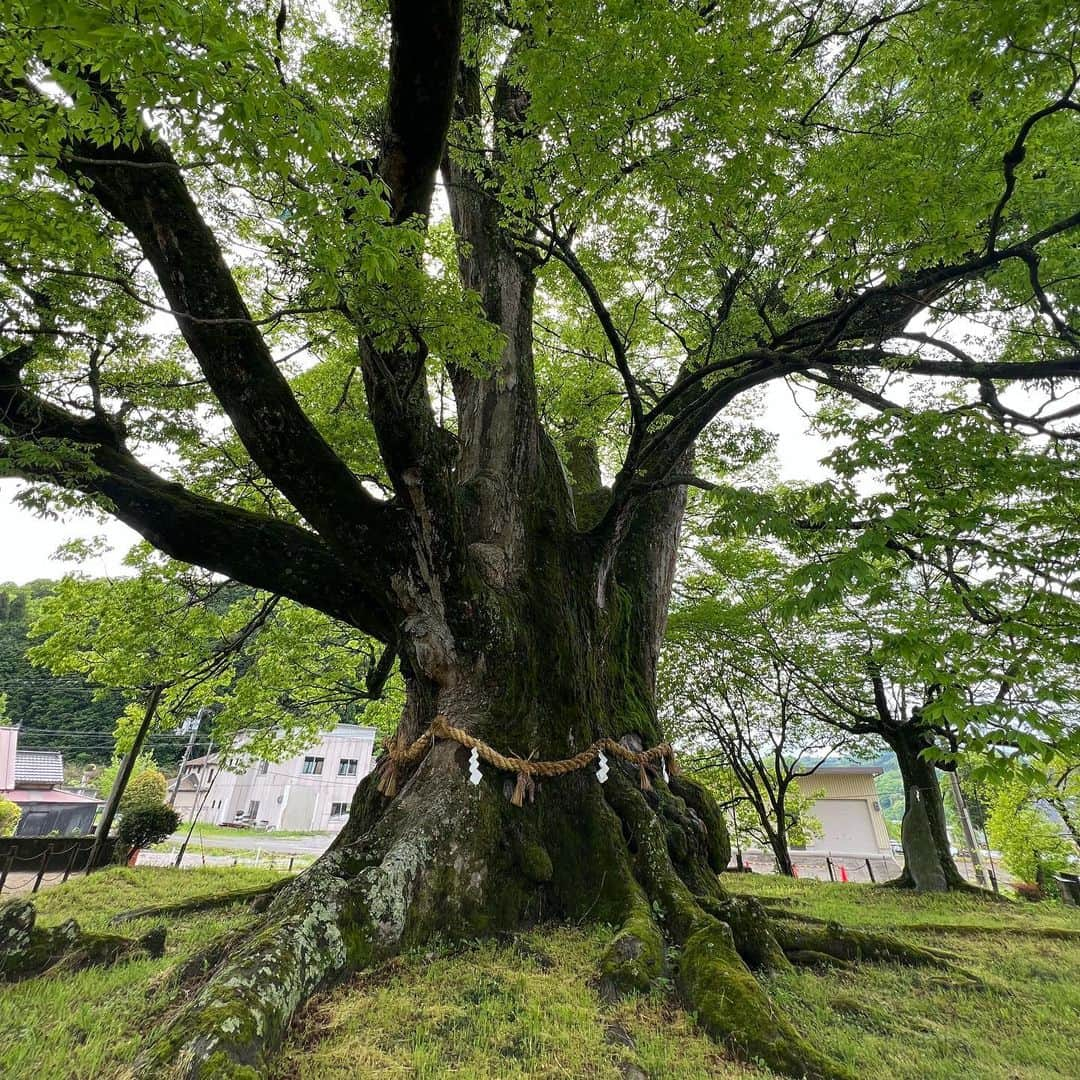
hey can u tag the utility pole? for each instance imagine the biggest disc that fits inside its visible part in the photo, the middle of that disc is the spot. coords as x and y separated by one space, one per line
196 807
197 724
965 824
122 777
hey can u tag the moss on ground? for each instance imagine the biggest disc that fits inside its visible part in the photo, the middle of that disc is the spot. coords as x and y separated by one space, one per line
90 1024
532 1007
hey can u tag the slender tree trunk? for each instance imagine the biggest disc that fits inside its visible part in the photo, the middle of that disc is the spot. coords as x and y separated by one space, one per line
778 840
928 861
779 844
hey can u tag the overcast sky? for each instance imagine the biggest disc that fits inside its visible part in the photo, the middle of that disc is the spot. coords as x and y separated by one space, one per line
28 544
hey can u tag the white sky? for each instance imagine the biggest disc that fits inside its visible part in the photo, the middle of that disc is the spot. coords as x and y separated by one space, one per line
28 544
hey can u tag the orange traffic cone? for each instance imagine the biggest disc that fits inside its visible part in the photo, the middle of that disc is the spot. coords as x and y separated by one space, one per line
843 873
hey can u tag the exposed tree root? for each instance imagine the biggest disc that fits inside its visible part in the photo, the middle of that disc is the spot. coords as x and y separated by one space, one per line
810 958
859 946
27 950
734 1009
257 896
752 932
1063 933
445 857
713 976
635 958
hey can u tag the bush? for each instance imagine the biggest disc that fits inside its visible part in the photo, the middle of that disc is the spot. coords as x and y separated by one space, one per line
9 817
104 780
145 825
145 789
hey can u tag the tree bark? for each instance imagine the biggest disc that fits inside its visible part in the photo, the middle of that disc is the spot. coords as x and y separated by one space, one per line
928 861
778 841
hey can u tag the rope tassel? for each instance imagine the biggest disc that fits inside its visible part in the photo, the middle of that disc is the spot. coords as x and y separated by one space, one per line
518 798
643 777
388 779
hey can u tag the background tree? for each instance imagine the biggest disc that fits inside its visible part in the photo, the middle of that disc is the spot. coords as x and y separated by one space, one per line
718 198
1033 848
270 673
927 596
728 694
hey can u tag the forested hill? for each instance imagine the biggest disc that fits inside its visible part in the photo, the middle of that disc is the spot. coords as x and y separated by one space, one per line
56 712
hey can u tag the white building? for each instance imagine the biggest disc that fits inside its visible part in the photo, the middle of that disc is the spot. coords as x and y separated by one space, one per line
848 810
310 791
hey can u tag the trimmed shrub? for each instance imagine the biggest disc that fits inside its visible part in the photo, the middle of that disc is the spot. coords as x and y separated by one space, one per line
9 817
145 825
145 789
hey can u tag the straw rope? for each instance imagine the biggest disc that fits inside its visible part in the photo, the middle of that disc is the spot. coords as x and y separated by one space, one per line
398 758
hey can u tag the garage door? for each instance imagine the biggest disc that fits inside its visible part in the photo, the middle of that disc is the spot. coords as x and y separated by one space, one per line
848 826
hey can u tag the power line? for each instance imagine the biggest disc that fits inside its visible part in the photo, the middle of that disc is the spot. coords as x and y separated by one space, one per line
92 733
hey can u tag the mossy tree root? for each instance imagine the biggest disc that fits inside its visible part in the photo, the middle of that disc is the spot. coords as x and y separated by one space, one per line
862 946
810 941
635 958
732 1007
27 950
713 976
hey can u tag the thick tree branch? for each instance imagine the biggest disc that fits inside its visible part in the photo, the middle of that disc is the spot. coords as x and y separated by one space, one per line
275 556
157 208
426 41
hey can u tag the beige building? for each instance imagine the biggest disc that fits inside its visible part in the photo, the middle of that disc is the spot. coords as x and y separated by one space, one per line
310 791
849 811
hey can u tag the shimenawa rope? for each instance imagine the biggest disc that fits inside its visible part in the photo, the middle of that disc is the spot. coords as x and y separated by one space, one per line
398 758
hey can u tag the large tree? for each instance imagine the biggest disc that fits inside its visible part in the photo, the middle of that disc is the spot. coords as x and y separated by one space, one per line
407 422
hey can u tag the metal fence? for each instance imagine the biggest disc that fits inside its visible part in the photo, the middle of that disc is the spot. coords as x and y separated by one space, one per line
27 863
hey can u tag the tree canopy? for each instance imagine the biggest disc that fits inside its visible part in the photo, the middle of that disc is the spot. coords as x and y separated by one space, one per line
719 197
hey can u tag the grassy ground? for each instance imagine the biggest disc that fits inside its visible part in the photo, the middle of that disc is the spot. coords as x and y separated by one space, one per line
206 832
88 1026
529 1007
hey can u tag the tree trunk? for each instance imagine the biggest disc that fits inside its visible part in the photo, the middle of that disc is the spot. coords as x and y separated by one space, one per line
543 669
928 861
778 841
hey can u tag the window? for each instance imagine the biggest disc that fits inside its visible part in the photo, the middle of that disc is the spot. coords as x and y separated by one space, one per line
253 809
313 766
339 809
263 766
347 766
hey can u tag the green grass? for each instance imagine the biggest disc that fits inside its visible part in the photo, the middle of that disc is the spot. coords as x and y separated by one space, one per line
529 1008
205 831
523 1009
88 1025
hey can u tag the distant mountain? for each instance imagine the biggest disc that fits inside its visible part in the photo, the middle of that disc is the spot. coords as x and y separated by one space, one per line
55 712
